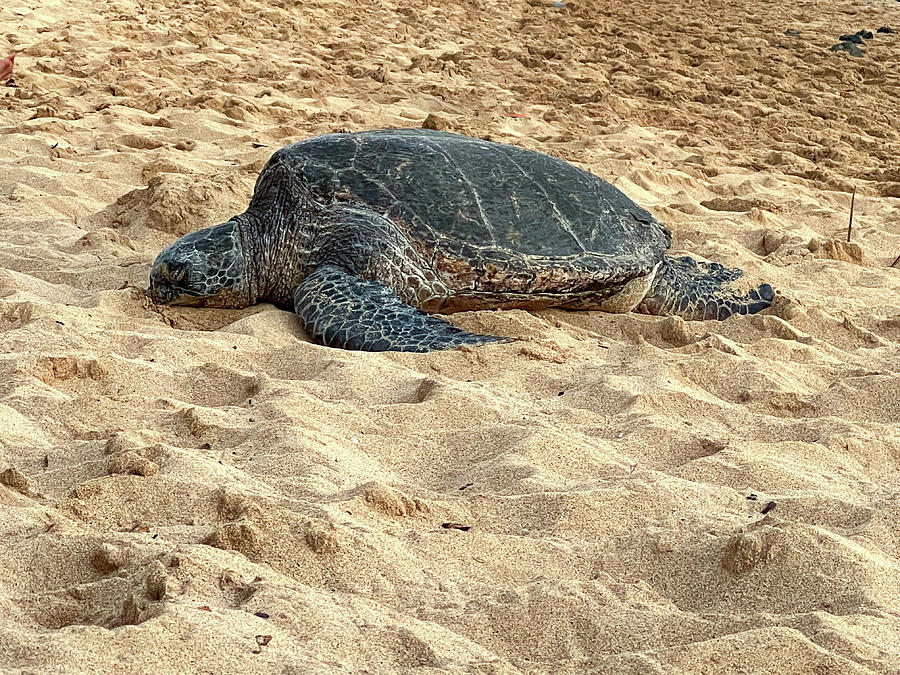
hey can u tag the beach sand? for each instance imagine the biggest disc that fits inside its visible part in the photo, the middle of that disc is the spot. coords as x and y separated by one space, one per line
199 490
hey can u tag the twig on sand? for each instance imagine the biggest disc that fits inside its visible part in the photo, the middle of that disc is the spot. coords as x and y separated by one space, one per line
850 226
896 260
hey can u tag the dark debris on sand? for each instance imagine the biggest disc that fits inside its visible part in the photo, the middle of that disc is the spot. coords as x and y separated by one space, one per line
850 42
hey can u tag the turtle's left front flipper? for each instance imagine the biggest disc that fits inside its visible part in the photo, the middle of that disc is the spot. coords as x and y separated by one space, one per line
339 309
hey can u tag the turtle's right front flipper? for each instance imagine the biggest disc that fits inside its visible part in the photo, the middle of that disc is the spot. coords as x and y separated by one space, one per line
339 309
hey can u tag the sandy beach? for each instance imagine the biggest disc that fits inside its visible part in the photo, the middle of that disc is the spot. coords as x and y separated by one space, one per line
201 490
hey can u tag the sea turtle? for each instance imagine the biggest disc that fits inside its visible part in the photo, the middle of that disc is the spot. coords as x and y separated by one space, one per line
364 235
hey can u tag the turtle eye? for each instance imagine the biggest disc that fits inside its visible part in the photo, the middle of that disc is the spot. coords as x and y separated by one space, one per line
177 273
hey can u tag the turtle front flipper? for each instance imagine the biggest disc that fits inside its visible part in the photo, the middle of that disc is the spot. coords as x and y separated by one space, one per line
339 309
700 290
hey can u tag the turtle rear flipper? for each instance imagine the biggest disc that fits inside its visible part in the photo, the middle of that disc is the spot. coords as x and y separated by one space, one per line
700 290
338 309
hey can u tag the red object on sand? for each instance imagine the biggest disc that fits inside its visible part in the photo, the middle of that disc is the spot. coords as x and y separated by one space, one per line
6 66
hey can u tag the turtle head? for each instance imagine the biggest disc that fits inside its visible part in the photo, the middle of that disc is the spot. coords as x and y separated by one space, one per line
204 268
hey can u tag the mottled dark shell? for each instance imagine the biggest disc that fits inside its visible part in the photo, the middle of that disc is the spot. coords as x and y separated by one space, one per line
482 202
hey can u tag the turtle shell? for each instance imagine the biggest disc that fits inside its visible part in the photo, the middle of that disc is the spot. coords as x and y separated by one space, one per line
478 204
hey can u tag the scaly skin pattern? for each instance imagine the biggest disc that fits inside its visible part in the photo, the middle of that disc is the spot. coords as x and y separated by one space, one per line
206 268
365 234
699 290
338 309
286 234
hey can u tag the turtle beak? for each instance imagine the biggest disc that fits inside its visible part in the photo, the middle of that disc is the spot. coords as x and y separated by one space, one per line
185 300
162 290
